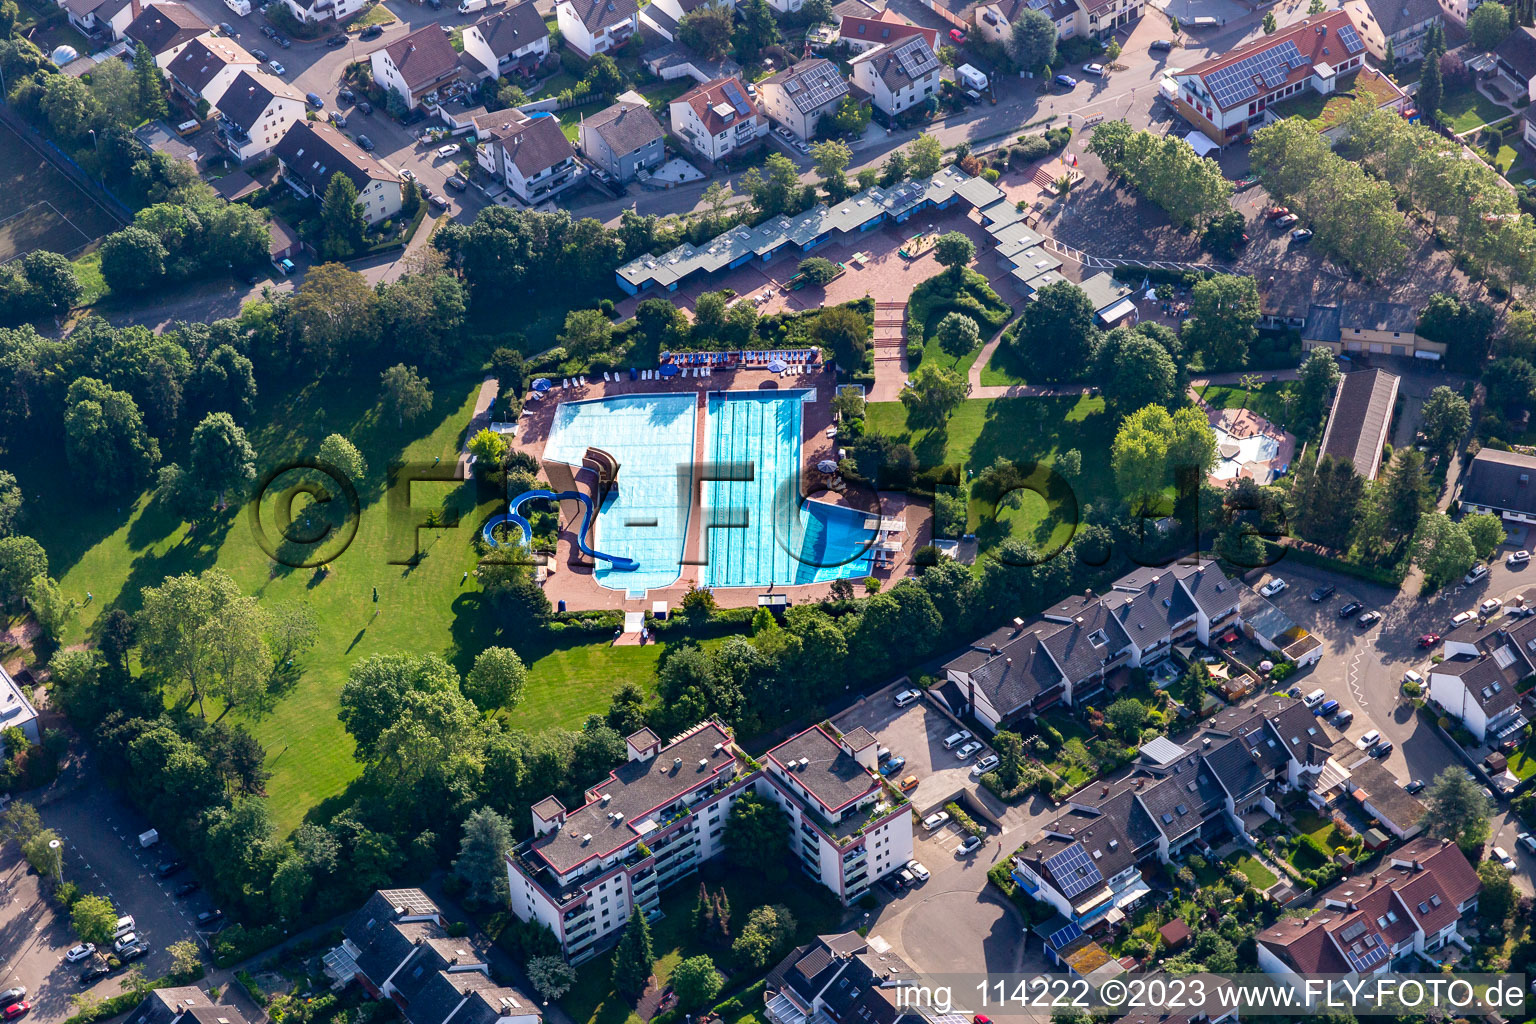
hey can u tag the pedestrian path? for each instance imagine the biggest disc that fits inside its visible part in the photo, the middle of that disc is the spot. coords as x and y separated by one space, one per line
890 343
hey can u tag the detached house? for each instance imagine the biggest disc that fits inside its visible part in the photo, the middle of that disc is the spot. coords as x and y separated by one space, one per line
1484 673
623 140
839 977
417 65
1403 22
1375 924
590 27
313 12
510 42
166 29
102 20
184 1005
898 76
1500 483
207 67
717 118
528 152
797 97
255 113
311 152
860 34
1516 57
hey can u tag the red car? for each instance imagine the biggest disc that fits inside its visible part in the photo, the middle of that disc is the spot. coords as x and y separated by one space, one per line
1276 211
1429 639
957 36
17 1009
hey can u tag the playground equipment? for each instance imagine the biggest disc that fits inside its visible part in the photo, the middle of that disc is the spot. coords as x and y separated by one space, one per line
919 244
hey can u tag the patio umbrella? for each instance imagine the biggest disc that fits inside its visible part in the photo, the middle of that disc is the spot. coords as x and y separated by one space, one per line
826 466
670 370
542 384
777 366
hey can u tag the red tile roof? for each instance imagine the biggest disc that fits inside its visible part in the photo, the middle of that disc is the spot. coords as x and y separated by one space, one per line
705 98
1308 39
887 28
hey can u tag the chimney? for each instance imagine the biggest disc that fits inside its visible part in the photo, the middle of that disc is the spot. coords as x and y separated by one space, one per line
1141 783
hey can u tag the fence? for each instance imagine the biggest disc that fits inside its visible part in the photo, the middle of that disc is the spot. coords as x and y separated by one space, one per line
66 165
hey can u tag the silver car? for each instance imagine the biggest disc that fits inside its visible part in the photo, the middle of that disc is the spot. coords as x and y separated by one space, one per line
965 752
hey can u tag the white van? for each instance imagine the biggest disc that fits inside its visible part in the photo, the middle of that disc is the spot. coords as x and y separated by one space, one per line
953 740
124 926
471 6
1314 698
240 7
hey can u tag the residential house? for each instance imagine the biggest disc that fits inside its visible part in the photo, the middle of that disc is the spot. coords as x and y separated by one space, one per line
1516 57
1228 96
1481 677
311 152
840 977
1381 795
314 12
1500 483
207 67
528 152
186 1004
1084 865
716 119
898 76
797 97
662 813
1373 924
255 113
662 17
102 21
1067 652
590 27
1403 22
623 140
860 34
166 29
1360 423
1459 10
671 61
1380 328
512 41
397 947
416 65
1104 17
993 20
16 710
285 243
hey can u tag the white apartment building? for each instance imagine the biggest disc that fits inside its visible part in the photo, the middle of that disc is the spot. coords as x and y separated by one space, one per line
717 118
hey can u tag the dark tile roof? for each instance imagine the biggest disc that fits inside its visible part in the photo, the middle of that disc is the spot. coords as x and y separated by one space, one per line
163 1005
1082 646
832 776
534 144
1501 480
204 58
512 28
1236 768
1176 804
1019 673
424 57
597 15
314 151
1382 790
1302 733
626 127
1138 825
1490 684
890 61
1518 52
1362 412
382 942
1148 615
1209 587
1394 16
1101 837
164 26
1398 317
249 95
1323 325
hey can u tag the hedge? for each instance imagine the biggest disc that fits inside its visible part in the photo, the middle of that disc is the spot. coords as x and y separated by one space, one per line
1370 573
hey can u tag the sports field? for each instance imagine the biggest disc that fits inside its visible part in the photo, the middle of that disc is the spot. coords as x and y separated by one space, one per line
40 208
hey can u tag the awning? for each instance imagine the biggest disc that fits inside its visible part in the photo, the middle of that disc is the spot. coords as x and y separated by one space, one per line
1427 355
634 622
1120 310
1201 142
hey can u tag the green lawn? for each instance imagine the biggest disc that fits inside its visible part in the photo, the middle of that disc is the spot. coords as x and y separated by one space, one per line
661 92
1261 877
1026 430
592 1000
1267 400
1467 108
936 297
378 14
1523 762
1005 368
113 552
557 83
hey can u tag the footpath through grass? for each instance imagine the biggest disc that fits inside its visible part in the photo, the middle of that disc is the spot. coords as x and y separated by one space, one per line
943 294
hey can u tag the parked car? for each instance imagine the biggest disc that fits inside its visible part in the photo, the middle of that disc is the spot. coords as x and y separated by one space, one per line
1343 718
91 973
334 41
277 67
1368 619
1273 587
133 952
365 143
444 152
1286 219
458 184
77 953
1322 592
1381 749
1489 606
260 55
893 766
1528 841
1429 640
406 174
345 96
1462 618
918 871
283 41
167 868
954 739
935 820
1518 557
315 100
968 847
1413 677
338 119
1301 236
187 890
906 697
957 37
899 881
13 995
371 32
1502 856
269 31
1314 698
965 752
1096 70
909 783
1350 609
1067 81
1326 708
16 1010
1160 45
985 765
1477 573
209 917
365 106
1369 740
125 941
227 29
437 202
1415 786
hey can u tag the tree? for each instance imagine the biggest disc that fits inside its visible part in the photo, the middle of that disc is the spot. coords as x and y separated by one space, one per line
1456 809
482 855
1446 419
603 75
1485 531
587 332
106 442
405 392
895 169
489 448
1152 448
202 632
1511 384
343 454
1032 44
1431 91
1057 333
1269 23
955 251
551 976
341 216
1009 747
22 560
334 314
496 680
1224 233
1166 170
52 278
843 331
830 158
69 106
151 83
634 956
933 394
1317 7
50 607
756 837
1315 382
1498 897
10 503
186 959
1388 58
707 30
817 269
20 821
376 687
696 981
1488 26
1127 717
1398 497
94 919
116 91
776 193
46 858
849 119
1223 320
1137 372
926 154
765 937
958 334
222 458
758 30
1326 498
132 259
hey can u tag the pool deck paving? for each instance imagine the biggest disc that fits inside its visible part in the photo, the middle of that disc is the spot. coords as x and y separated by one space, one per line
572 578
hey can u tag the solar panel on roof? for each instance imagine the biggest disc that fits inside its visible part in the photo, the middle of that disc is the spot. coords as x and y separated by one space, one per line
737 99
1234 83
1061 936
1073 871
1363 962
1351 39
916 58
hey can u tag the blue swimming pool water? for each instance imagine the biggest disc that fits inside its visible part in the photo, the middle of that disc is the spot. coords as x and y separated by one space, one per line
647 519
757 532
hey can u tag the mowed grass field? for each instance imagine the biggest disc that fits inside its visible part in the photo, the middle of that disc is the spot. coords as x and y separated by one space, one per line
39 207
111 552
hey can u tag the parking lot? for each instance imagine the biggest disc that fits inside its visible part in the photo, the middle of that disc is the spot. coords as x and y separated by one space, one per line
917 733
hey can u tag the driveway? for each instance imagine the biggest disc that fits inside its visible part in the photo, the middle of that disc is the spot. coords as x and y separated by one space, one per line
917 733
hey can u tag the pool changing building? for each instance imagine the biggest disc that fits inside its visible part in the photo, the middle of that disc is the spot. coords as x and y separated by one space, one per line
661 814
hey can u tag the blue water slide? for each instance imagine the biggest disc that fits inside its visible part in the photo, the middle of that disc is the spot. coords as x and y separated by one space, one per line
618 562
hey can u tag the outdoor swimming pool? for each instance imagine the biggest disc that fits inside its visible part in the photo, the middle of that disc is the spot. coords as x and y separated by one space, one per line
756 531
651 436
1233 453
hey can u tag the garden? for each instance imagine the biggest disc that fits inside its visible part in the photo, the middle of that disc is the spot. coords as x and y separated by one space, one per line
935 299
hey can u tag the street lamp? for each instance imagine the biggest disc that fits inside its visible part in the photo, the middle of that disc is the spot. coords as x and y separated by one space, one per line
56 849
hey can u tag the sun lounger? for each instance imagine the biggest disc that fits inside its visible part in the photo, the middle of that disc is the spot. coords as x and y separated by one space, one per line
565 382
